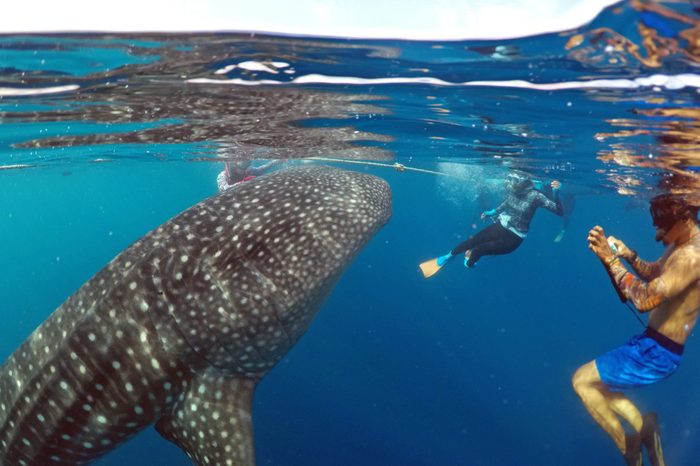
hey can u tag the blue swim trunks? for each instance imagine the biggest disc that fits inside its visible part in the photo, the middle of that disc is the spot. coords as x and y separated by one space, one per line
646 359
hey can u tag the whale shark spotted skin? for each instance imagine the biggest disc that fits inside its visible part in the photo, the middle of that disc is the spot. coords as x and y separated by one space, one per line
178 329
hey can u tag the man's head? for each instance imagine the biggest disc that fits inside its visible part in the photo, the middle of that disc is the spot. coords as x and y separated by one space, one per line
518 181
672 216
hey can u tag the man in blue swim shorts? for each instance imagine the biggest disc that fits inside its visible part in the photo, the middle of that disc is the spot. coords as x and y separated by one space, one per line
669 290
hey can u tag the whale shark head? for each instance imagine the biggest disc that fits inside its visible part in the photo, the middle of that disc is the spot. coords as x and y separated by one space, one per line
268 252
179 327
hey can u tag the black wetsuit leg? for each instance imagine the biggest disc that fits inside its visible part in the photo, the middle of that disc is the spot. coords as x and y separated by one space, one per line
482 236
491 241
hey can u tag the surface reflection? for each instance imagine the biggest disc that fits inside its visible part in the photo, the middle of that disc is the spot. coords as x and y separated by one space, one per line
148 94
663 134
660 32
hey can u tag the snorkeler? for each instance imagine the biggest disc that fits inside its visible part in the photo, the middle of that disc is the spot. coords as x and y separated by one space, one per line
240 171
669 289
511 223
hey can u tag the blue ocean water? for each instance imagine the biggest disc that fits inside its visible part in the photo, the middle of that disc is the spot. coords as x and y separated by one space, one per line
105 137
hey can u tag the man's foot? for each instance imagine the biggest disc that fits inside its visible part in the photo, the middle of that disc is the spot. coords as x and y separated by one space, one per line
442 260
633 450
651 438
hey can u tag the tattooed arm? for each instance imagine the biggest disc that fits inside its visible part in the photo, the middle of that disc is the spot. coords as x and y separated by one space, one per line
680 272
645 270
644 295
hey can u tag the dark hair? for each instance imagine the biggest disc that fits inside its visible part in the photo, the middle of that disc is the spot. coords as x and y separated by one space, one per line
667 209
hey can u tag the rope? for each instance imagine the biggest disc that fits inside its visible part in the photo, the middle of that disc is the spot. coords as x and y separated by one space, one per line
634 311
397 166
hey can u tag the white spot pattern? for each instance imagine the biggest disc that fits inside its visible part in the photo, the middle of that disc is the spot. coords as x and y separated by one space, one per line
242 274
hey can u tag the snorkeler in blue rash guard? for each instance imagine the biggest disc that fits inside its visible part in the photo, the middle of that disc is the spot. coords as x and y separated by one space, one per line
511 224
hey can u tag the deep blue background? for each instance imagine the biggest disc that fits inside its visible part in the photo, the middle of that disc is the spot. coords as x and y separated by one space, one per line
469 367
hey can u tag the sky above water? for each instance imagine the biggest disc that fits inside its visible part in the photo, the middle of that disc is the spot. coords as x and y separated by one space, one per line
406 19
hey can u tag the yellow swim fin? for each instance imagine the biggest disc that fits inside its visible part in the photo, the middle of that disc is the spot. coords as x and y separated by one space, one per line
430 267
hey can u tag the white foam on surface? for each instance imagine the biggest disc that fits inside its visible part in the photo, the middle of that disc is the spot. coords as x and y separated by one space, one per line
30 91
669 82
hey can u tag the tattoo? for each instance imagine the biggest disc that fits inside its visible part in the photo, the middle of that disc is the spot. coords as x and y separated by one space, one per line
646 270
644 296
617 270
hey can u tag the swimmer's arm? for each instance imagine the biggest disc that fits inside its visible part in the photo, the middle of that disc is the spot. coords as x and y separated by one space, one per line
553 206
648 295
499 209
646 270
645 296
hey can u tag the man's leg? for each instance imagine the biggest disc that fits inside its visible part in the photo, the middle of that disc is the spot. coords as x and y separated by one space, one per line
624 408
603 405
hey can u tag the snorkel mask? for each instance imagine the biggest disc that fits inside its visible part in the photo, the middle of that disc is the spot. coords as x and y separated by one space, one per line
666 210
517 181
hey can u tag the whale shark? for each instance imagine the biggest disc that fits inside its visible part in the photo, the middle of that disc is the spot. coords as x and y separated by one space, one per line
179 328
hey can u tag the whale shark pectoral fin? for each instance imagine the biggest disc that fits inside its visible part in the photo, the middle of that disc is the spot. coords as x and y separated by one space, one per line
211 422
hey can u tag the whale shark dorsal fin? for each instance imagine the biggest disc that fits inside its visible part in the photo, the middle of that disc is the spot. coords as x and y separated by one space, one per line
211 422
